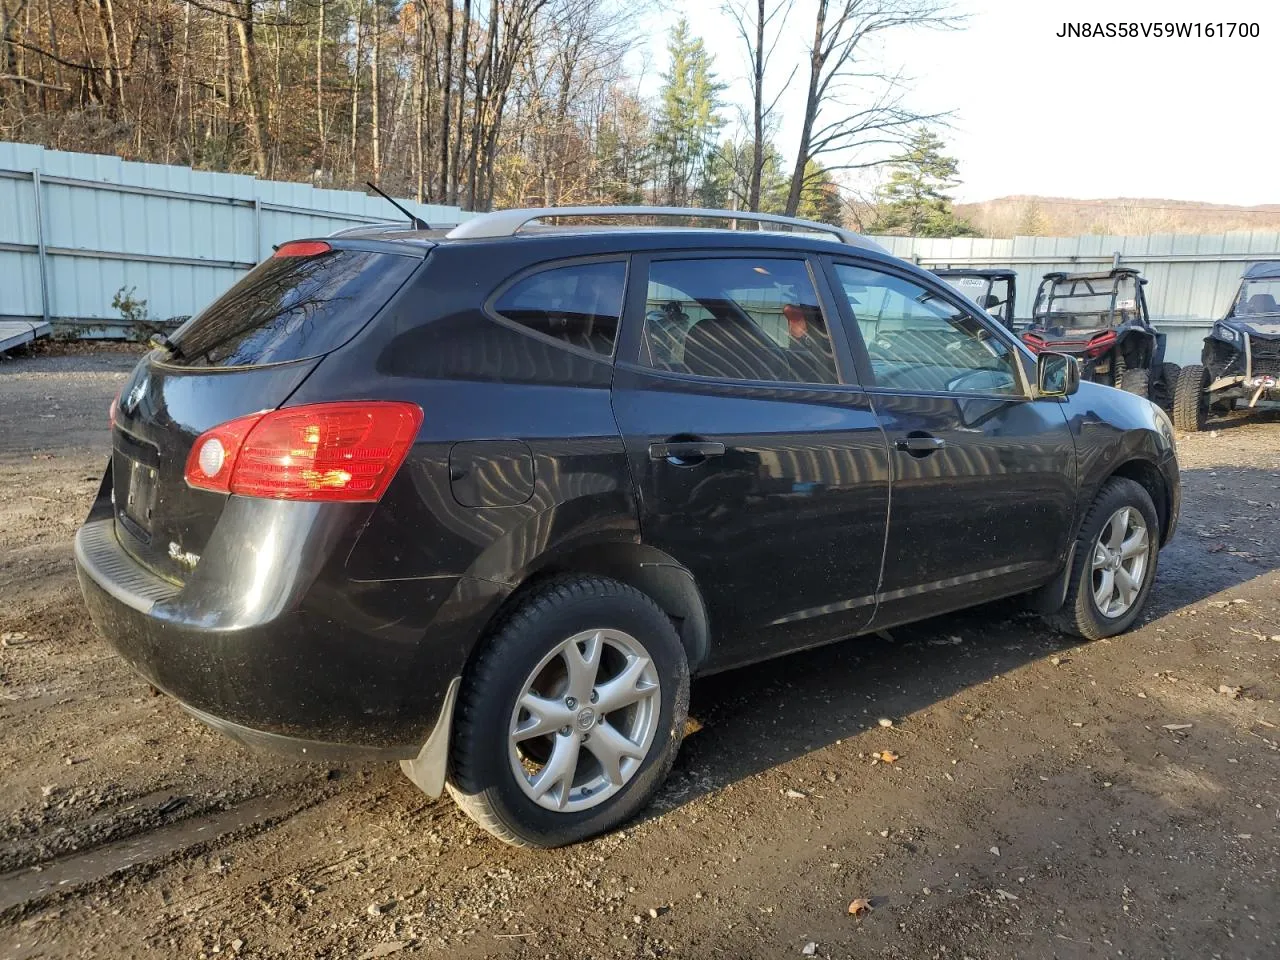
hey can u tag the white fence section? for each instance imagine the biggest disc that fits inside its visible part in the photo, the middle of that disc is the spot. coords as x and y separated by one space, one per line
1192 278
77 228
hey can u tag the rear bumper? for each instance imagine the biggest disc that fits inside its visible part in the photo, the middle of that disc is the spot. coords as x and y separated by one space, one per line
334 669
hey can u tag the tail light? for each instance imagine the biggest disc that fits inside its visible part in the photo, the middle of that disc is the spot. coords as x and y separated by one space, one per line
322 451
1033 341
1100 344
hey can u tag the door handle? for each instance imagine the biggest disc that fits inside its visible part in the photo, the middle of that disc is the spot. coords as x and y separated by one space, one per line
685 450
919 444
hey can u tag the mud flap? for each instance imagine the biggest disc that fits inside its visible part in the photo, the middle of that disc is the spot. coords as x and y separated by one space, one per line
1050 597
427 770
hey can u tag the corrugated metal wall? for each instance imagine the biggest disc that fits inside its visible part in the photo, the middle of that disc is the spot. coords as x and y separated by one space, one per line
1192 278
98 224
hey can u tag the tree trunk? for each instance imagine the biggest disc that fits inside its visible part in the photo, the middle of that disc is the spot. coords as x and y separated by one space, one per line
320 137
446 102
484 75
816 61
53 42
455 164
253 92
375 91
355 92
228 80
421 106
757 114
11 66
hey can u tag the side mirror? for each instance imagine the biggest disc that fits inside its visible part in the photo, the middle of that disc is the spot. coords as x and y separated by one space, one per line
1057 374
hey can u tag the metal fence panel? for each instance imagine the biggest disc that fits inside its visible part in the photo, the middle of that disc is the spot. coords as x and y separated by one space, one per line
76 229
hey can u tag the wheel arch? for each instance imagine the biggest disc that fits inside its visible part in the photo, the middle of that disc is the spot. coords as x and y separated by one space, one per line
646 568
1148 476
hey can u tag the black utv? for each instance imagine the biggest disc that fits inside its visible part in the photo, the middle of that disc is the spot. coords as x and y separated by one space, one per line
1102 319
994 289
1241 358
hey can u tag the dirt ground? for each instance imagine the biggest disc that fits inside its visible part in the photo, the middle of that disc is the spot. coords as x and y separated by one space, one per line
1050 799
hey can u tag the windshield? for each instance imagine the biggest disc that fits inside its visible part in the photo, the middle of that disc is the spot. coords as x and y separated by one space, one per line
1088 302
975 288
1258 298
291 308
989 293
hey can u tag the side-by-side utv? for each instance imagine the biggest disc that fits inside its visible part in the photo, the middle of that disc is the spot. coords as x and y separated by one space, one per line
1240 365
994 290
1102 319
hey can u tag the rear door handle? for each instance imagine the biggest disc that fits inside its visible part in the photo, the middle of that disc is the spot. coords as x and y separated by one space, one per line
919 444
685 450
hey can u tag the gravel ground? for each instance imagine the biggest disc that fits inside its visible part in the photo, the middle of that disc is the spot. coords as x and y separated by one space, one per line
1049 798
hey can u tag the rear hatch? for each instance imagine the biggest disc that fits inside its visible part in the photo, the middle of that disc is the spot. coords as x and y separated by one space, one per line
248 352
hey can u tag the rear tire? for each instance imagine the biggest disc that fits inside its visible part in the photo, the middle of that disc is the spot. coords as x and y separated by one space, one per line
1190 401
1122 509
553 788
1163 387
1137 382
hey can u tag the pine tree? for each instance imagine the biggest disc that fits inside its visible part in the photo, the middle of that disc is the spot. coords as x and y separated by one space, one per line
914 202
820 197
688 117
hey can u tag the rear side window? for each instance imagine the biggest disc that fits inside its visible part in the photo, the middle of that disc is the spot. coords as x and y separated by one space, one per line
577 304
291 308
737 319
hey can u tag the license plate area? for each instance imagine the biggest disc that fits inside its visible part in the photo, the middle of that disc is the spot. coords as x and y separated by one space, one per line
135 469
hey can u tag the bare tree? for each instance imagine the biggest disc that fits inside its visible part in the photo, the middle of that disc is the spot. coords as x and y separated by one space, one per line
841 31
752 19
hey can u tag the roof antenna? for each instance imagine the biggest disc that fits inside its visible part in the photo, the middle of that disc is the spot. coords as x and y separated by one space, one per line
418 222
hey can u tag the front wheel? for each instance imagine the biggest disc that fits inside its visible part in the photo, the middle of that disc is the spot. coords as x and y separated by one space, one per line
1114 563
1136 382
570 717
1191 399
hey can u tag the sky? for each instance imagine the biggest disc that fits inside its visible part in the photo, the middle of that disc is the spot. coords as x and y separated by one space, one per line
1182 119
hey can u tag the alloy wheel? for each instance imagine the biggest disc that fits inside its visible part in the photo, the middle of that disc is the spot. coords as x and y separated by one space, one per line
585 720
1120 562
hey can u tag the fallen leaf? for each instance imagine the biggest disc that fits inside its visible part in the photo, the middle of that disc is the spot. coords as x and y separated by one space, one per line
888 756
860 906
793 794
1177 726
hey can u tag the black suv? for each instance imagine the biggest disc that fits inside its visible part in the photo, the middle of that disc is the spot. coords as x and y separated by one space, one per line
482 502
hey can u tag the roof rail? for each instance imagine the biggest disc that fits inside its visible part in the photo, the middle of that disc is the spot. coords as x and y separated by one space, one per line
507 223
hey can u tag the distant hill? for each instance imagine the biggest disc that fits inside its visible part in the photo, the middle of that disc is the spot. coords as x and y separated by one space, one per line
1060 216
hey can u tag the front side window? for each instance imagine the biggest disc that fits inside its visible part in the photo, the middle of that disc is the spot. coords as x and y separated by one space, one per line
577 304
737 319
918 341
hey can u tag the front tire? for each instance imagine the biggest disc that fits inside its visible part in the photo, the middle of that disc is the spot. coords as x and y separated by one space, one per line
571 716
1137 382
1190 400
1114 563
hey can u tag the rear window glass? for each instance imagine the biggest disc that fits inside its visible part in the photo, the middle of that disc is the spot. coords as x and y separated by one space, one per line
577 304
291 308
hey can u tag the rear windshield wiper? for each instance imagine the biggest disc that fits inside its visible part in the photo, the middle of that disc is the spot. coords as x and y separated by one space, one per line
161 342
